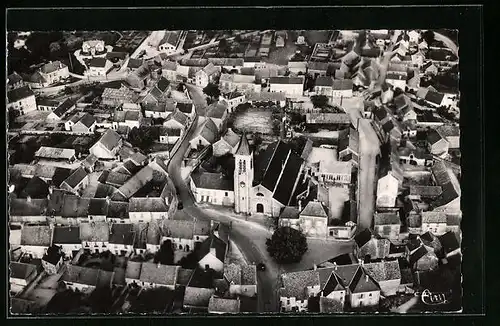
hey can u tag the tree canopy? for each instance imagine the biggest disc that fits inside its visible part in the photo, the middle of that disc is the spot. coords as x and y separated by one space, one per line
212 90
319 101
165 255
287 245
143 137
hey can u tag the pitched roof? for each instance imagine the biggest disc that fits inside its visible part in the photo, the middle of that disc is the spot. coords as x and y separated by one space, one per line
66 235
63 108
434 97
324 81
14 78
151 204
159 274
52 66
449 242
433 136
333 284
315 209
213 242
20 93
362 282
76 177
207 130
386 219
271 172
286 80
134 63
36 235
177 116
116 55
110 139
94 232
417 255
21 270
53 255
363 237
223 305
122 234
98 62
185 107
216 110
197 297
81 275
426 191
449 130
433 217
36 188
291 172
383 271
178 229
295 283
208 180
290 212
328 118
342 84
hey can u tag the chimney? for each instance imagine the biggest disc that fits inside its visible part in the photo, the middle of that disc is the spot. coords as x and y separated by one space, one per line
335 265
51 189
361 262
158 265
28 199
366 278
300 205
108 199
315 267
212 251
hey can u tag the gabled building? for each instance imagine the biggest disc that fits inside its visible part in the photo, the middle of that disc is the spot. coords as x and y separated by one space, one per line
68 239
95 236
205 134
227 144
297 288
86 279
52 261
54 72
121 239
170 42
348 147
206 75
367 244
217 112
314 219
86 124
218 305
290 86
35 240
436 143
21 275
212 253
98 67
212 188
242 279
107 146
147 209
176 120
21 99
76 182
387 225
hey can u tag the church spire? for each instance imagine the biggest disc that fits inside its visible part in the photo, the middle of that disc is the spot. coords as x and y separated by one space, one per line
243 147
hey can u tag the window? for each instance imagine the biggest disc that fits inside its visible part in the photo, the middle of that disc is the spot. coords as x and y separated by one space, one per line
370 295
361 296
226 194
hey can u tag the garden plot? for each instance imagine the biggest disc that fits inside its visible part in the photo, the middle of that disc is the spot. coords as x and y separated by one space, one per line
255 120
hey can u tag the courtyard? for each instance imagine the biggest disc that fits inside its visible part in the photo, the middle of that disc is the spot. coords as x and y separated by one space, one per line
254 119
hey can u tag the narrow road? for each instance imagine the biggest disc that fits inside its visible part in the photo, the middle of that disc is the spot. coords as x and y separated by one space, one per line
250 241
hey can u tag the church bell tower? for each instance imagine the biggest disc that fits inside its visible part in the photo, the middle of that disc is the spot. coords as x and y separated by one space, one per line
243 176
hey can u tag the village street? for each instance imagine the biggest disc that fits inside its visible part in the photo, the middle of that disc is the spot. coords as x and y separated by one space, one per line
250 237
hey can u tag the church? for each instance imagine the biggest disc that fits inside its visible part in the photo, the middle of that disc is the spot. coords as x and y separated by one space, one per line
270 183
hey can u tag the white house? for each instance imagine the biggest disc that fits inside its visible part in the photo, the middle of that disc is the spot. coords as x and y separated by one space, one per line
21 99
86 124
68 238
121 239
184 235
387 190
169 42
205 134
169 135
147 209
233 99
242 279
65 107
98 67
107 146
76 182
35 240
342 88
54 72
396 80
93 48
434 222
206 75
213 252
212 188
290 86
237 82
94 236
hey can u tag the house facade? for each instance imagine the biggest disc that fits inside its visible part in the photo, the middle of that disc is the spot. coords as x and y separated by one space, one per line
290 86
21 99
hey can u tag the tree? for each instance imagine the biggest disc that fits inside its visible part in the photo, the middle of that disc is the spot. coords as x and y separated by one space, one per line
319 101
190 261
224 46
287 245
143 137
165 255
181 87
212 90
